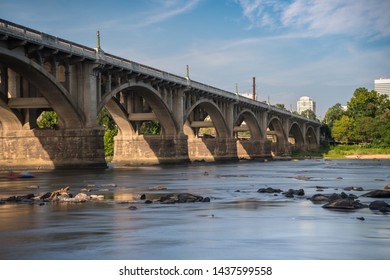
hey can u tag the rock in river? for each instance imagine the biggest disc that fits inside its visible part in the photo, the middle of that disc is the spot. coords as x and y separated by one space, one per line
269 190
291 193
344 203
379 205
378 194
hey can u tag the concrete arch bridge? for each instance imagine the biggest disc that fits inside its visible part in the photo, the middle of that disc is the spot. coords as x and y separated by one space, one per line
40 72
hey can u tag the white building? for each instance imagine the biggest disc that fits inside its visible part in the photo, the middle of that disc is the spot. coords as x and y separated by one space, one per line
383 86
306 103
247 95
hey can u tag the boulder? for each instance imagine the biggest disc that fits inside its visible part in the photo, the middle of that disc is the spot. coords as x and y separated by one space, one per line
54 195
378 194
304 178
387 187
173 198
21 198
269 190
359 189
97 196
291 192
187 197
45 196
319 198
379 205
344 203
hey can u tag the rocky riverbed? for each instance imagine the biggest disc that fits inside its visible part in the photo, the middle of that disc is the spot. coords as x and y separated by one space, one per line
340 201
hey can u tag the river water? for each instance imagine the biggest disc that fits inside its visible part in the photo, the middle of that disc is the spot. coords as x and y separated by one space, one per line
238 222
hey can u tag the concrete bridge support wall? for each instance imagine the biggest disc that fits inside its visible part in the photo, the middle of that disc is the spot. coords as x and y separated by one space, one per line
70 148
253 149
148 149
201 149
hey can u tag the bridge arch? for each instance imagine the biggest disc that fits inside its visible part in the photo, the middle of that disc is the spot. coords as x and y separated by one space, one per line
311 138
47 85
219 123
152 98
276 135
250 120
295 137
210 148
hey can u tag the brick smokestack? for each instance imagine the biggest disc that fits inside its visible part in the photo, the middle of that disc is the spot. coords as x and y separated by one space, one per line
254 88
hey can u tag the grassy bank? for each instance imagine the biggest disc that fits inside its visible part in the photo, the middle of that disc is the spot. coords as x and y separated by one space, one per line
343 151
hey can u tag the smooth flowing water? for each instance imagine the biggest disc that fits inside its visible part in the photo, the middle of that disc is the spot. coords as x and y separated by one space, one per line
238 222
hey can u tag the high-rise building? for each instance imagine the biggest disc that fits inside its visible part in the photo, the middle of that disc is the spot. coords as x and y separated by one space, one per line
306 103
383 86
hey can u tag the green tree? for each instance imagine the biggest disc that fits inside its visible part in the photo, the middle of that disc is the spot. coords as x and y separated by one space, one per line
150 128
366 103
334 113
365 130
343 129
280 106
48 119
111 130
309 114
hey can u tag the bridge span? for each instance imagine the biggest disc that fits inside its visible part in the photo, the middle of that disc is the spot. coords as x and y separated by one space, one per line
40 72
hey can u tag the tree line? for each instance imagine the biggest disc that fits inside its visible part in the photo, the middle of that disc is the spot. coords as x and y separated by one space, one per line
365 119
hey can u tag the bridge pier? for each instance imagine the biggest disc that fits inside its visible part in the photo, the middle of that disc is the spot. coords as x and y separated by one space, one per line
253 149
41 148
149 149
212 149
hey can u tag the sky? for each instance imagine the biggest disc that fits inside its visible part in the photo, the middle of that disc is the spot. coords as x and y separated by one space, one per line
323 49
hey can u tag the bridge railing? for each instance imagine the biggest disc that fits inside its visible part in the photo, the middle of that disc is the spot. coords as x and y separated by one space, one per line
25 33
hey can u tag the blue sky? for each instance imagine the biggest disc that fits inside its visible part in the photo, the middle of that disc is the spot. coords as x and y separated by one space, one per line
324 49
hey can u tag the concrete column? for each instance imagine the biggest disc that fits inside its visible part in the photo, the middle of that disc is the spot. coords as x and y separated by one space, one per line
90 93
229 117
178 108
4 80
13 84
303 129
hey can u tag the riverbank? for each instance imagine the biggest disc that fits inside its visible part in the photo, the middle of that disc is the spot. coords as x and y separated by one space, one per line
346 152
374 156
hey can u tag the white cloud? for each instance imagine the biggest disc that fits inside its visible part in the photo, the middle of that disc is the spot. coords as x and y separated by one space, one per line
318 17
167 10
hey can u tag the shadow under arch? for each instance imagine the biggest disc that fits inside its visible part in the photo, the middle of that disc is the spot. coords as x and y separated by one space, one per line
220 147
277 136
310 138
295 137
253 146
8 119
131 147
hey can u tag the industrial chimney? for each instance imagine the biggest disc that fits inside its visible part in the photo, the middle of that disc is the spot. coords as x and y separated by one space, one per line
254 88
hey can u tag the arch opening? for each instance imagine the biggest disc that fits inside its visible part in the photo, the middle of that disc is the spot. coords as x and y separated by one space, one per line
209 138
276 137
295 138
311 139
146 129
